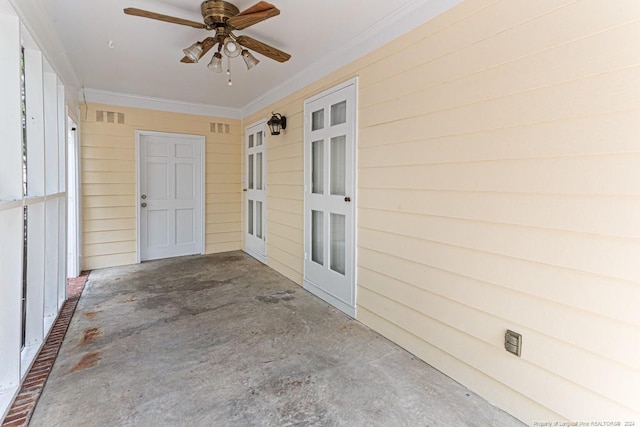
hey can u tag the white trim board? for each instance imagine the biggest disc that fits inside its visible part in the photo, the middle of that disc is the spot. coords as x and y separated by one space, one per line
33 16
136 101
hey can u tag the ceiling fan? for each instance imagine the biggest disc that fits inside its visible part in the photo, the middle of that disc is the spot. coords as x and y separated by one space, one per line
223 18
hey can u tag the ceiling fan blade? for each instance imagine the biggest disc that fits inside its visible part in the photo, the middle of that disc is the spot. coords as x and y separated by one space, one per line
263 48
207 44
166 18
256 13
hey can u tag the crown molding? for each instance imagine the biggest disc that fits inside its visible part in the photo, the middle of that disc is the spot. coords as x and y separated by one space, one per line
135 101
409 17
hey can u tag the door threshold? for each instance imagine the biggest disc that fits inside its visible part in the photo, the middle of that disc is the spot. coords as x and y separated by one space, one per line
259 257
336 302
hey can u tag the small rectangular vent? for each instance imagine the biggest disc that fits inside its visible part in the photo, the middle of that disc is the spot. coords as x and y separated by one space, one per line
219 127
513 342
109 117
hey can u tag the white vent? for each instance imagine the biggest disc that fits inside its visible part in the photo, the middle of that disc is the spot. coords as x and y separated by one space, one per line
99 116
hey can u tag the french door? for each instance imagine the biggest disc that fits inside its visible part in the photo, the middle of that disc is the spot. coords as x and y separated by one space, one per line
256 191
329 193
170 195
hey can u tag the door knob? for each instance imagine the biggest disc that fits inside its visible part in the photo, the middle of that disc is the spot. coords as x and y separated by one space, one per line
144 196
347 199
144 205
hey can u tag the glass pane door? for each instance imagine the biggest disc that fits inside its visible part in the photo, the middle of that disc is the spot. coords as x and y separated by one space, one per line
255 179
329 145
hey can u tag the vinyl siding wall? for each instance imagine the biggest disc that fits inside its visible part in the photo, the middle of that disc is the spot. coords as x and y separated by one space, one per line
109 181
498 188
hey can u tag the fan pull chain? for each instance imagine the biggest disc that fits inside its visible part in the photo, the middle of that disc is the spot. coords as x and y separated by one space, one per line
229 71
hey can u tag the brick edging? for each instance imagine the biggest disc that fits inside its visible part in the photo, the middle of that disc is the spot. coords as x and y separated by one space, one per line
33 384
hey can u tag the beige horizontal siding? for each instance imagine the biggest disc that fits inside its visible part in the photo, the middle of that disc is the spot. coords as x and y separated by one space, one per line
109 213
104 261
614 218
221 247
109 236
109 182
498 188
89 226
217 218
422 288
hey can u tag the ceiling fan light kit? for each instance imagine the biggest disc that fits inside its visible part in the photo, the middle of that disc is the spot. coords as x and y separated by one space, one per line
223 17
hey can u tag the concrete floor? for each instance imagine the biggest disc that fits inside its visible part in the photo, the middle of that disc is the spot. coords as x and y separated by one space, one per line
222 340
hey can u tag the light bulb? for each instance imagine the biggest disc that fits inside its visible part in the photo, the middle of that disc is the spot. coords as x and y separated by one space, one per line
230 48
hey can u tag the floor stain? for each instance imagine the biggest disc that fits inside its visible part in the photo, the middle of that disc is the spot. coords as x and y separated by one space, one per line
89 360
91 314
89 335
131 298
276 297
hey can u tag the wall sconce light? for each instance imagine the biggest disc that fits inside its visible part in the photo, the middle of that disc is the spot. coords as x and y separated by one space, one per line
277 122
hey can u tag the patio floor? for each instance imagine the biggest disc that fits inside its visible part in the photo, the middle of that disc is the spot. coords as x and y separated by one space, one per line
225 340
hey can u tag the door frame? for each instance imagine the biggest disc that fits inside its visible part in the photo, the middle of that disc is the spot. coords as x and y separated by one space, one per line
74 212
195 138
265 139
308 285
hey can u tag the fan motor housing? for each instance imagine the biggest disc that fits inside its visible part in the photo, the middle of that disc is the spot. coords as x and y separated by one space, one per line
217 12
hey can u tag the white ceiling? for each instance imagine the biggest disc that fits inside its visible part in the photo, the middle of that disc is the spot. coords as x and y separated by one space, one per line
145 58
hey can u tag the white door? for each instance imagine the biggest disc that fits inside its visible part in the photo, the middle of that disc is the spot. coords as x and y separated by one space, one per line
329 191
256 191
170 195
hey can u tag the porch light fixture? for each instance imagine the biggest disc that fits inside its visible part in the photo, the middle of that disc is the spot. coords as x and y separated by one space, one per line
277 122
194 52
